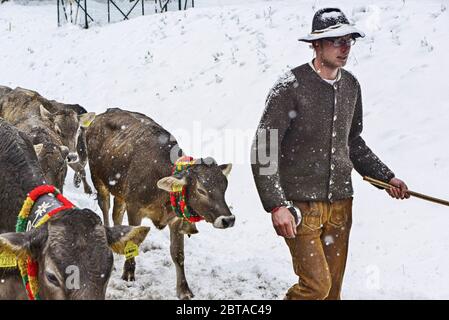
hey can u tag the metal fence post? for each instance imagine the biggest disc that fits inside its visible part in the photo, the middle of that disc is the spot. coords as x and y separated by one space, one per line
57 6
85 15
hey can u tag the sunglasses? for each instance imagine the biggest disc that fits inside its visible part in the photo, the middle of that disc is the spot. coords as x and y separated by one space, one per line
339 42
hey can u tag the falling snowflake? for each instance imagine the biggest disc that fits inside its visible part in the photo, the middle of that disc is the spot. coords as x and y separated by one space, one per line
328 240
292 114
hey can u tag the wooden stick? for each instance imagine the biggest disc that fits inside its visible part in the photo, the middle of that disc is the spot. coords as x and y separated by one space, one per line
412 193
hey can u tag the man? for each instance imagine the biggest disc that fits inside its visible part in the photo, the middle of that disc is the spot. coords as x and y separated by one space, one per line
313 120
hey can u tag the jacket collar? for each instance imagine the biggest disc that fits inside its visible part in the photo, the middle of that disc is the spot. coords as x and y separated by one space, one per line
313 68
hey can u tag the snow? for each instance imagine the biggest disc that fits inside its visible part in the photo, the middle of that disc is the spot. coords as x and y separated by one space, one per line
331 15
204 75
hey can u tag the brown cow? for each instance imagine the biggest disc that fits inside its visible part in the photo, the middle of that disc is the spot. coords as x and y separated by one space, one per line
79 166
73 249
57 124
132 157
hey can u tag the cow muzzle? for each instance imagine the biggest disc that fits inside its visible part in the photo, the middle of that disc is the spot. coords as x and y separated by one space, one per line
72 157
223 222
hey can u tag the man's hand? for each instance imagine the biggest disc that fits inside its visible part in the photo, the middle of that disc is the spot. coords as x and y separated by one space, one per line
400 192
284 222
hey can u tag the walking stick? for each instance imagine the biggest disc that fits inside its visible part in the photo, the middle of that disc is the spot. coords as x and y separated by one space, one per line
412 193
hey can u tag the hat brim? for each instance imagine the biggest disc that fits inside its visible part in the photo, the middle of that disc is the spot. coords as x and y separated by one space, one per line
334 33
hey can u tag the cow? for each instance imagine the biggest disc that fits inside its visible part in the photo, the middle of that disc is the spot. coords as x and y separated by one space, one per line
73 249
79 166
60 123
132 157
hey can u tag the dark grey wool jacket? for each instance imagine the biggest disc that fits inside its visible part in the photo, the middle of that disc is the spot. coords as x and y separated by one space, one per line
318 134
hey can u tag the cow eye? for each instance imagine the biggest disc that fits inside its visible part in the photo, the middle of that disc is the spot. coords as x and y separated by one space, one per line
52 279
202 192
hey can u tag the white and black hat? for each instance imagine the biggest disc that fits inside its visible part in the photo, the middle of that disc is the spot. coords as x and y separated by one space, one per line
331 23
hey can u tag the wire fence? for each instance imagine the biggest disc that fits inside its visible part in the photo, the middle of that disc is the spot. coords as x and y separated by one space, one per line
99 12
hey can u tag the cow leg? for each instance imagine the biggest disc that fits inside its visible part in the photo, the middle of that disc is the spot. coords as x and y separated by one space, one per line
177 253
118 211
134 219
81 148
77 176
129 270
103 197
86 186
77 179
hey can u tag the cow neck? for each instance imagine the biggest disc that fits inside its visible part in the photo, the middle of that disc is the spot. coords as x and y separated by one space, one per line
42 203
179 195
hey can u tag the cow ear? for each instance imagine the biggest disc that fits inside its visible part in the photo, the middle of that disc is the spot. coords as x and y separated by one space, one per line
86 119
23 244
226 168
119 237
38 148
171 183
14 243
45 114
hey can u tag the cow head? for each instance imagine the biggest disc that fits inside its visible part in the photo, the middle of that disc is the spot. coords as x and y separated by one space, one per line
66 124
74 253
53 161
206 183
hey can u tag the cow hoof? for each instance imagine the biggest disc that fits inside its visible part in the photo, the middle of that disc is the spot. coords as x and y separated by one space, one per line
128 276
87 190
186 295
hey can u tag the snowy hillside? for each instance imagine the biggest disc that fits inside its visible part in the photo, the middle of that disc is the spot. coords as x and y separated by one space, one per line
204 75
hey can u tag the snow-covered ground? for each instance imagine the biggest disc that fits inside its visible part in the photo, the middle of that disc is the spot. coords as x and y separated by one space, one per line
204 75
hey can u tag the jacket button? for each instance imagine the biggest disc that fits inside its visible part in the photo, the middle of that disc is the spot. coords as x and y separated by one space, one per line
335 118
334 134
330 195
332 166
333 150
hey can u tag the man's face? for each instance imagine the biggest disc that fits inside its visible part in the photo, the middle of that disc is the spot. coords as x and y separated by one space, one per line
334 52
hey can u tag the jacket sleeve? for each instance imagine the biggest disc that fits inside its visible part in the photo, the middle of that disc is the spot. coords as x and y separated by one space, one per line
365 162
266 147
